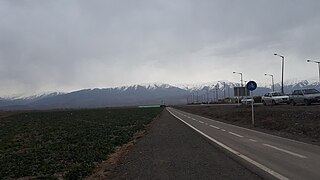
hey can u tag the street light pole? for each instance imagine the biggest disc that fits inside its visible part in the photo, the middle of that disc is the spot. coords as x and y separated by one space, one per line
318 66
217 95
282 91
224 89
271 81
241 79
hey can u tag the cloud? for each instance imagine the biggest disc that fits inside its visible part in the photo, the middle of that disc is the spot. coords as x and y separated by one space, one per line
66 45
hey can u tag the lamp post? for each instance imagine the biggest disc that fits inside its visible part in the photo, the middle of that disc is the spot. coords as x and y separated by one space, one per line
282 91
217 93
240 77
224 88
271 80
318 65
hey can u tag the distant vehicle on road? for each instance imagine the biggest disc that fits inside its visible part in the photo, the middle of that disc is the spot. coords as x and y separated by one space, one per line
305 96
247 100
274 98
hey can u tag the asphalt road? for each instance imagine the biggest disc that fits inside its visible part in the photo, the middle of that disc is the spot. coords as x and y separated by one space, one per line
269 155
172 150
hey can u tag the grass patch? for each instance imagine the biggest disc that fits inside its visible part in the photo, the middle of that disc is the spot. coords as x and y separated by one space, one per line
65 144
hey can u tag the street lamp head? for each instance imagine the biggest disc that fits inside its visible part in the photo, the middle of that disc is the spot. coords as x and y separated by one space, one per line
265 74
308 60
234 72
275 54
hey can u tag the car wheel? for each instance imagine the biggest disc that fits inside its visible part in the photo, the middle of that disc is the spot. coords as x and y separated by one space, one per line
307 102
273 102
292 103
264 103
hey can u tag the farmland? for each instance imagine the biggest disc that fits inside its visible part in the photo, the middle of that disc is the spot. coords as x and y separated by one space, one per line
65 144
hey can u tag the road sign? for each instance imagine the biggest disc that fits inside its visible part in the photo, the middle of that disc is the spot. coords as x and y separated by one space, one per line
251 85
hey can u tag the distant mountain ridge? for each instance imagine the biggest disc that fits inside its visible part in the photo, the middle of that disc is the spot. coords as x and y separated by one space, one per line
139 94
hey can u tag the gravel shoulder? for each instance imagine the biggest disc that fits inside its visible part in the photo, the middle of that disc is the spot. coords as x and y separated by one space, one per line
171 150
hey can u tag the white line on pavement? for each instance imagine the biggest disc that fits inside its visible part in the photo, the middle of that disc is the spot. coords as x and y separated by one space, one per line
223 130
235 134
214 126
264 168
286 151
201 122
252 140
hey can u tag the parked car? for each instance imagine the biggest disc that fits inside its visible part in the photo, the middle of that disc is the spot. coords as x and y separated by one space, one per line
274 98
305 96
247 100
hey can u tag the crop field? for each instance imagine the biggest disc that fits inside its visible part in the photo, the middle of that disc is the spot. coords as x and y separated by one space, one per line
65 144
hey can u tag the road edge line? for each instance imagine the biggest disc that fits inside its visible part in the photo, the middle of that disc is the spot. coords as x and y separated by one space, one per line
252 130
261 169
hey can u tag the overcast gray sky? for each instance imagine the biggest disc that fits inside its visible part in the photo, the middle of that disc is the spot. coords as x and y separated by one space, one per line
63 45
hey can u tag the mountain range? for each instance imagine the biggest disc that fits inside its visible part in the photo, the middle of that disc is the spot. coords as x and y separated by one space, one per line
143 94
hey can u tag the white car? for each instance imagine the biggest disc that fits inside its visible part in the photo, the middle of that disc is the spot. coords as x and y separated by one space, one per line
247 100
274 98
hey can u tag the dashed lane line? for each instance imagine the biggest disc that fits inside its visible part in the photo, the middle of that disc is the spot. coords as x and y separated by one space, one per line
253 140
264 168
235 134
214 126
286 151
201 122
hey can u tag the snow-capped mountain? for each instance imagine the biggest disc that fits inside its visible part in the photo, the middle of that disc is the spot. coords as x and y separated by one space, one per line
138 94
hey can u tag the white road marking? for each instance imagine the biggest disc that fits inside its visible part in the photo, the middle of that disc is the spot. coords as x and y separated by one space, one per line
223 130
206 123
286 151
214 126
235 134
264 168
201 122
251 130
193 119
252 140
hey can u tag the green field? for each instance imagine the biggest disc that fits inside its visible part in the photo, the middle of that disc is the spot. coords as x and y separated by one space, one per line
65 144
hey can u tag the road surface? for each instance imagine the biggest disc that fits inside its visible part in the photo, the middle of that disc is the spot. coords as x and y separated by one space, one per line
270 155
172 150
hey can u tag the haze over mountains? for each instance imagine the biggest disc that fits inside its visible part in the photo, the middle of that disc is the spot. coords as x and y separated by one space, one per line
143 94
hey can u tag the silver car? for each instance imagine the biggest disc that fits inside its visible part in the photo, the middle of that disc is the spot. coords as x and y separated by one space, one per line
305 96
247 100
274 98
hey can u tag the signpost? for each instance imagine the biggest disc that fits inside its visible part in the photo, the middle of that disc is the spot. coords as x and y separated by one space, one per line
251 86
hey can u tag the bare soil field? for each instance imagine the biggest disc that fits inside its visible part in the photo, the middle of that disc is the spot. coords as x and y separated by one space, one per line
295 122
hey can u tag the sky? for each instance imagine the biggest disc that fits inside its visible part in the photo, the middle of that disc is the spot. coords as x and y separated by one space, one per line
58 45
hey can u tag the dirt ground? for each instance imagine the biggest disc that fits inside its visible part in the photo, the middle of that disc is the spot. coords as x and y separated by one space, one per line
295 122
